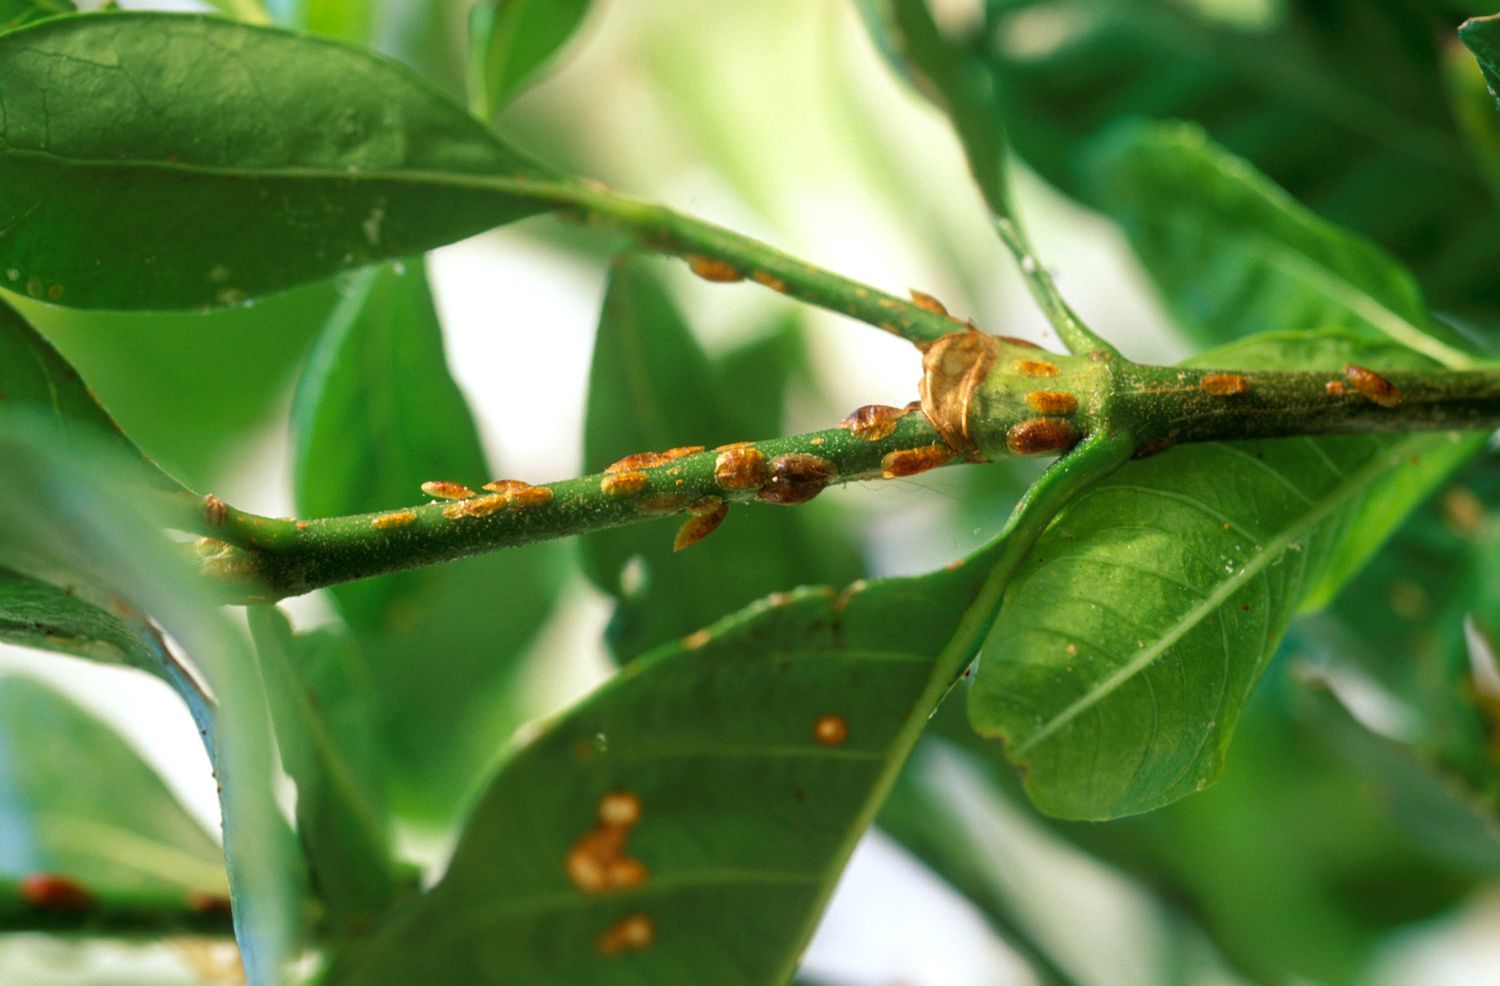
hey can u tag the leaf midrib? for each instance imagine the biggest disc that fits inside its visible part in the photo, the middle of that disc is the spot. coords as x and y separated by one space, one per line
1276 547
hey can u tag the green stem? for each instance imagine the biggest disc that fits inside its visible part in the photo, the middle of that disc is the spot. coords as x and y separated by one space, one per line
262 558
1178 405
40 903
1078 337
662 230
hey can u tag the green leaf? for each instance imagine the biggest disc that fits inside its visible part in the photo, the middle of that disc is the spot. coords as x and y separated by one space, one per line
1134 632
647 361
377 414
1337 101
1234 255
162 161
58 522
35 614
78 801
510 41
34 374
325 736
745 818
1482 36
14 13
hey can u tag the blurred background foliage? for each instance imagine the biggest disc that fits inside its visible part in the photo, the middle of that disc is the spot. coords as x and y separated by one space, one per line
1354 836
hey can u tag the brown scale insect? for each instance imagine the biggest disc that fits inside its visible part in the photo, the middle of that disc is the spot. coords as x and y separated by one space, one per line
444 490
767 280
830 730
506 486
531 496
1039 435
872 422
1223 384
1334 388
649 460
597 861
479 506
795 478
740 467
1372 386
386 522
927 302
660 503
214 511
1051 402
911 461
54 892
622 484
1035 368
630 934
708 513
717 271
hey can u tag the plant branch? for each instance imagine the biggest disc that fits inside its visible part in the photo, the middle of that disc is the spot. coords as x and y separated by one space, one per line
57 904
719 254
262 558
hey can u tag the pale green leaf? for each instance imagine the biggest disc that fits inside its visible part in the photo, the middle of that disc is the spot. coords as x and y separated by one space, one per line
511 41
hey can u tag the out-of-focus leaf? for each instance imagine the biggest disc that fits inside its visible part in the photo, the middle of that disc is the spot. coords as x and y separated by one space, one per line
226 371
58 522
32 373
1233 255
163 161
377 414
35 614
744 766
1135 630
1043 898
323 719
79 802
14 13
1473 107
652 388
510 41
1338 101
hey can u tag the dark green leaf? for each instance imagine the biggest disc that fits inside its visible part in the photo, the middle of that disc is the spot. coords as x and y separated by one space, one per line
1134 632
78 801
35 614
1234 255
652 388
341 818
59 522
510 41
1473 107
1482 36
745 818
377 414
14 13
33 374
162 161
1338 101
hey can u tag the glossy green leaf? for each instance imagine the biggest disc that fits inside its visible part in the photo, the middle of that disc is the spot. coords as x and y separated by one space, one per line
377 414
652 388
1482 36
324 731
745 818
1473 106
1339 101
78 801
1134 632
35 614
1233 255
34 374
59 523
163 161
510 42
14 13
